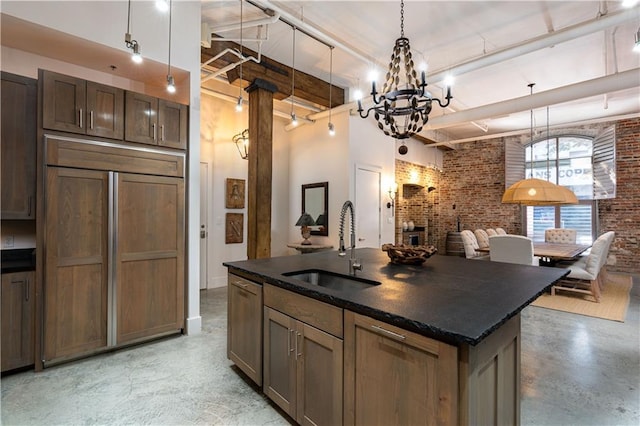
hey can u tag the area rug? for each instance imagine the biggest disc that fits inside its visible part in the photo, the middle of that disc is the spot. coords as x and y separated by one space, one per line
613 301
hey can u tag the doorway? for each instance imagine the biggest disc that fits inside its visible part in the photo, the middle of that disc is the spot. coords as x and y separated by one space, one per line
367 203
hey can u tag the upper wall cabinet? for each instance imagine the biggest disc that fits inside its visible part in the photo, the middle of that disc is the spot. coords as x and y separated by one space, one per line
18 142
75 105
155 121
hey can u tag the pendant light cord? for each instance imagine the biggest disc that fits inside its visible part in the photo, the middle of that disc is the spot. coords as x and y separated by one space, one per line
129 18
169 64
330 80
241 50
293 69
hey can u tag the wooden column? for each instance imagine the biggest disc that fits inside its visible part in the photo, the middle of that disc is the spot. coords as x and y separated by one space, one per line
260 166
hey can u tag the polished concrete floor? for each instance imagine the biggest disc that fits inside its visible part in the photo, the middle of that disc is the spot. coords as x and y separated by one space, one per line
576 370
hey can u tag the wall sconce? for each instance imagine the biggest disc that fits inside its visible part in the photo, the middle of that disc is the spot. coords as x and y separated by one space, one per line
242 143
431 188
393 190
305 221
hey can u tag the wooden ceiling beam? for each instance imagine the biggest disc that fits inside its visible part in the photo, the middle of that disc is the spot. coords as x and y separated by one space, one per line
307 87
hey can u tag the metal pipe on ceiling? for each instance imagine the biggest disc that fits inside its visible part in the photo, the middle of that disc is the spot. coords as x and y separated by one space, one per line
597 86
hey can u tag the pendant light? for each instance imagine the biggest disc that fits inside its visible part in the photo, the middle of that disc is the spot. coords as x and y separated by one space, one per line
130 42
171 84
538 192
332 129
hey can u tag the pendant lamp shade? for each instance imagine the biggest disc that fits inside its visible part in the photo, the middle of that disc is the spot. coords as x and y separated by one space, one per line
538 192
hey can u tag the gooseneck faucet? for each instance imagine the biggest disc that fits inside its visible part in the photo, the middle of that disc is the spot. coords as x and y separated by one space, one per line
354 265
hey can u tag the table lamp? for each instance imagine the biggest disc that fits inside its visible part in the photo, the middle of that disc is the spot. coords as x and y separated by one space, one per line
305 221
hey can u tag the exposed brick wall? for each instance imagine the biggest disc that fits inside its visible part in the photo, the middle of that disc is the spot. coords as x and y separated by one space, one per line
415 203
622 214
473 181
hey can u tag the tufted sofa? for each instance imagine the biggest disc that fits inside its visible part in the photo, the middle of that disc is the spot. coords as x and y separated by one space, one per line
560 235
471 245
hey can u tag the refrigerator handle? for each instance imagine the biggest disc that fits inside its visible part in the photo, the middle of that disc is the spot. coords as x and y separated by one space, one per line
111 272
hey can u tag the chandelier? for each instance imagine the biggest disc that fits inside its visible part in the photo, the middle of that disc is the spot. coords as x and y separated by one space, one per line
403 107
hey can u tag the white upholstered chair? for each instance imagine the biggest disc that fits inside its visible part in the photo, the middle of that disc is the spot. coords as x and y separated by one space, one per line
588 274
512 249
501 231
482 237
471 245
491 232
560 235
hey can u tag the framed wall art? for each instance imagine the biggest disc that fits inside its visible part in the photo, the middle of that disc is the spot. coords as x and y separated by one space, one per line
234 229
234 194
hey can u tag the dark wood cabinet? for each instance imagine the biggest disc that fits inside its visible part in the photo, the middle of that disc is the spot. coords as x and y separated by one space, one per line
18 319
149 256
303 364
18 142
154 121
393 376
76 262
114 264
75 105
244 326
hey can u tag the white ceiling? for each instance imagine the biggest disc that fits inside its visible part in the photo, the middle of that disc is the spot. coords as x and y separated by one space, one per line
447 34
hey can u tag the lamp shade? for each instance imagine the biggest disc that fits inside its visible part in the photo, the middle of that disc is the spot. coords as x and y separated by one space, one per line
321 220
538 192
305 220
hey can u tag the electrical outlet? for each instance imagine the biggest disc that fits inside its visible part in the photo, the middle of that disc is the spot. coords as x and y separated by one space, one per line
7 241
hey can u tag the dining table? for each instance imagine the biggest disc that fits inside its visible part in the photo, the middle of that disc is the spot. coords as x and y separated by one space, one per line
550 253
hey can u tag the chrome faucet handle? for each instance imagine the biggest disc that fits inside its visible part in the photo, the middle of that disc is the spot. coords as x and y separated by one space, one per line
355 265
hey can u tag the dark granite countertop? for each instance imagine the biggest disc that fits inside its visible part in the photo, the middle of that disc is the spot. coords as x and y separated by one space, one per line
448 298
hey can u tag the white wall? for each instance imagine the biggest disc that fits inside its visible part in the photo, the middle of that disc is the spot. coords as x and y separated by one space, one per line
219 123
370 147
317 157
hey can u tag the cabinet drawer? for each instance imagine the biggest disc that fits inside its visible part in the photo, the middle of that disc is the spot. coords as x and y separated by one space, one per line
247 285
76 153
321 315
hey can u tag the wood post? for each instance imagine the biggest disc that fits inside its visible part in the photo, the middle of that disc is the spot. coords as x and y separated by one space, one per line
260 167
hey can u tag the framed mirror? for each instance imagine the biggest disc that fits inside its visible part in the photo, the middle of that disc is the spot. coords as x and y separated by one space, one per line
315 201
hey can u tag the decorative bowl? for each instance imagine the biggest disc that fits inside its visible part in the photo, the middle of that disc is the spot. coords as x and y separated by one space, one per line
409 255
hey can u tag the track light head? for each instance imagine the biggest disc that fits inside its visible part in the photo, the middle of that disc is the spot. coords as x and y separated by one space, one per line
171 84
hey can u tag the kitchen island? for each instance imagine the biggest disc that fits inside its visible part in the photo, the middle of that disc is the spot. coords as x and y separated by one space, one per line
436 343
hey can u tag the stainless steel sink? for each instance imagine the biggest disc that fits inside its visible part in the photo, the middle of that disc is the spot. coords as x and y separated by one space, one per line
331 279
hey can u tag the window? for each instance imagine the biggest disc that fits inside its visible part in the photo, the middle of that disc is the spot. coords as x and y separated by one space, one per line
567 161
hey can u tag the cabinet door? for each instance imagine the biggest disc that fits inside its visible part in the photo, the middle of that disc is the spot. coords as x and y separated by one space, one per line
18 292
172 118
64 102
393 376
149 256
105 111
279 381
244 326
319 386
18 143
76 269
141 118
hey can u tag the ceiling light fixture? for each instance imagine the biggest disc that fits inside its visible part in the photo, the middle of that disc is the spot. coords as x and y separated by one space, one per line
171 84
538 192
129 42
294 120
242 143
332 129
162 5
403 107
239 104
636 46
